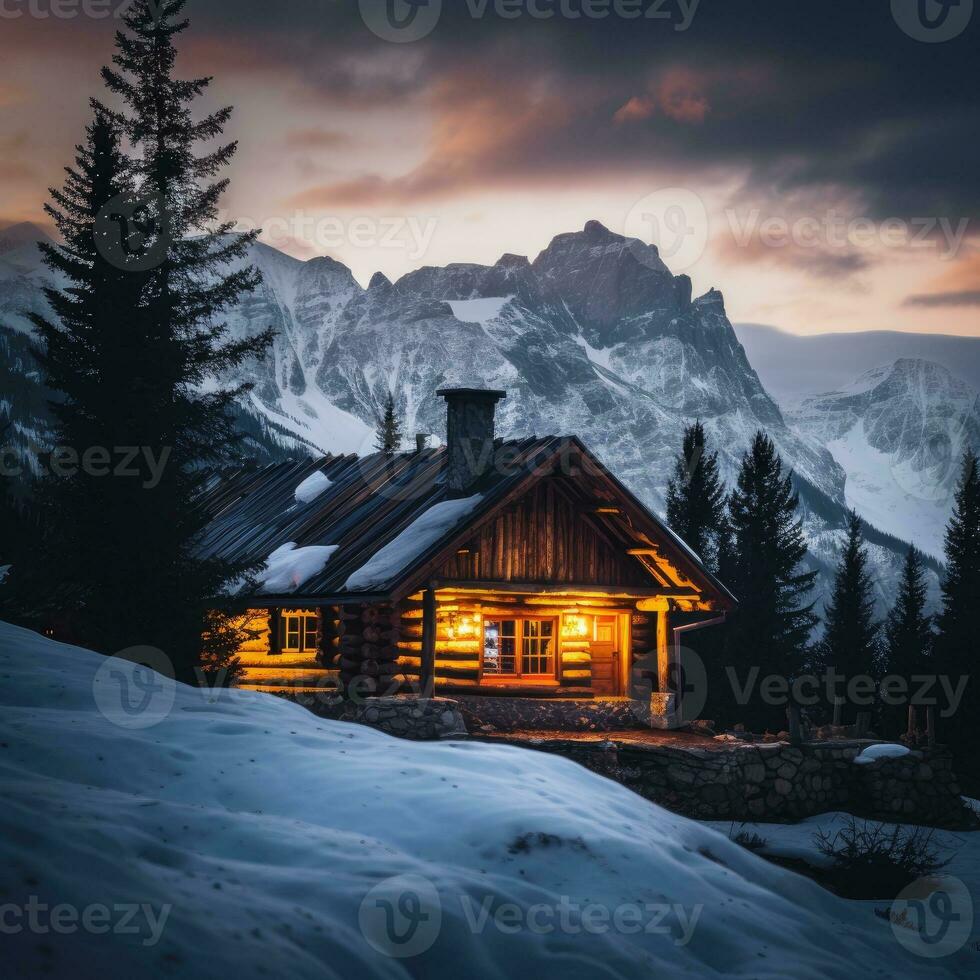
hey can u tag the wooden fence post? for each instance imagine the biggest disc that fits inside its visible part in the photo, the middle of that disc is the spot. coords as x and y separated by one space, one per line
795 732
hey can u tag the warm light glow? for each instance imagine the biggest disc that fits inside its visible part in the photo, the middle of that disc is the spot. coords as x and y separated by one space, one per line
461 627
575 626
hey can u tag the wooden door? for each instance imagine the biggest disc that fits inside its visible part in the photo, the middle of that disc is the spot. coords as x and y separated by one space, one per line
606 666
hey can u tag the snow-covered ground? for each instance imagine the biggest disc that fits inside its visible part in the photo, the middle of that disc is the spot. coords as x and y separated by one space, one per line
962 849
240 835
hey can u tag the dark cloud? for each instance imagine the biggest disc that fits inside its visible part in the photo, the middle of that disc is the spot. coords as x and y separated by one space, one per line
966 297
795 96
819 259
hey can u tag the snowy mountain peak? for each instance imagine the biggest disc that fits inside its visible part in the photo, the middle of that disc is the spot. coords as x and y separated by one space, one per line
379 281
510 261
899 431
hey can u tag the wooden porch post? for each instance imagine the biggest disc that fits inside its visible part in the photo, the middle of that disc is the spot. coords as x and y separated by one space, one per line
427 672
663 648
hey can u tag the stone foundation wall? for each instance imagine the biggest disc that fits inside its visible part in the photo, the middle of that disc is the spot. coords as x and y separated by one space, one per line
509 714
777 781
415 718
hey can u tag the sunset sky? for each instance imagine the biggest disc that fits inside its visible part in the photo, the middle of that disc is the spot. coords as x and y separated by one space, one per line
812 160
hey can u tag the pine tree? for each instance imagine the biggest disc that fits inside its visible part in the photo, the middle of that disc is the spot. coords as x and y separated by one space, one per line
850 642
141 373
908 636
696 496
83 352
771 628
956 643
908 630
389 435
20 534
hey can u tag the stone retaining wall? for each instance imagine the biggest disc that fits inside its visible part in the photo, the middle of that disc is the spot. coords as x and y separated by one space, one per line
407 716
509 714
730 781
777 781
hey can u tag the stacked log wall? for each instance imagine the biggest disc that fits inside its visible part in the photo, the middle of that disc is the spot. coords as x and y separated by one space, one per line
368 648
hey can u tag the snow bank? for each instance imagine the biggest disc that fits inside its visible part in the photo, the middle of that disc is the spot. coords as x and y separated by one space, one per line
312 487
884 751
288 567
259 838
418 537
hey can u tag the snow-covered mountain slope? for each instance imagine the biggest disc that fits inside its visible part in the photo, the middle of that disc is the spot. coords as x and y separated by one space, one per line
899 432
241 835
792 366
594 337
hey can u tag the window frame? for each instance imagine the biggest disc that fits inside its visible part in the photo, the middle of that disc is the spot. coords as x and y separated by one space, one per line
520 676
306 627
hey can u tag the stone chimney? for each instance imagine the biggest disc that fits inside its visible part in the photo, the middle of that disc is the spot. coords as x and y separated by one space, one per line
469 436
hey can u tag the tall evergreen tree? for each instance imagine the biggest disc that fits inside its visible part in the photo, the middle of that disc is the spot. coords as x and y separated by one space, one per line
84 354
850 642
142 373
389 435
771 627
908 630
956 643
696 496
908 636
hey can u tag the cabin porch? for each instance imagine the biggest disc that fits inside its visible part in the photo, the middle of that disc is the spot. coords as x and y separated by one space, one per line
504 646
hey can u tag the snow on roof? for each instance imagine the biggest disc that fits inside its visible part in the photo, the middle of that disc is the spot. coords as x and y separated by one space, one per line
312 487
884 751
288 567
414 541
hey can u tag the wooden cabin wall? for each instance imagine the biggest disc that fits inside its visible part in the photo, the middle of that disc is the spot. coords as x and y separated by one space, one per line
457 668
368 641
328 638
643 650
544 537
262 667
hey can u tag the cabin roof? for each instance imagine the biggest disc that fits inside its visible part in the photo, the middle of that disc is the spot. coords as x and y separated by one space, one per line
382 509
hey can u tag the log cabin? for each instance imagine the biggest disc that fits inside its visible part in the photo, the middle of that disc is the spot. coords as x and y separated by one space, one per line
484 567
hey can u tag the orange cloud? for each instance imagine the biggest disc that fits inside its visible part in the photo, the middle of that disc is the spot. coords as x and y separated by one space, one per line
679 94
481 133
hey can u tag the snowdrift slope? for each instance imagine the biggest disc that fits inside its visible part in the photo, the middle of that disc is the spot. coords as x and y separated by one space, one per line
265 827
